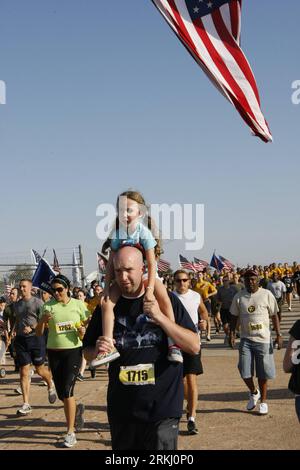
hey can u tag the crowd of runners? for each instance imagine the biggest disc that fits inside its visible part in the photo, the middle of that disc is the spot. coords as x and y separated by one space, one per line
207 297
146 328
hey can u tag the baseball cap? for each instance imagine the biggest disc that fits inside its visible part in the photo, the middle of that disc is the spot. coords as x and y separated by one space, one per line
250 272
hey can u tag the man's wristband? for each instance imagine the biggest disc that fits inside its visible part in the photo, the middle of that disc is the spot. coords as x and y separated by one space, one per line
279 334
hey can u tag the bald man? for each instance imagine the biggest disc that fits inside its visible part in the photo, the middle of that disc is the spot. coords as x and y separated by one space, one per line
145 390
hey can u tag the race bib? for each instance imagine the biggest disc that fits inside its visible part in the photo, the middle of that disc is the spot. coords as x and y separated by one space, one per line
64 327
255 328
142 374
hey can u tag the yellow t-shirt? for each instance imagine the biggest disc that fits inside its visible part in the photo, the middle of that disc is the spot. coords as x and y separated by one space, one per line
64 322
204 288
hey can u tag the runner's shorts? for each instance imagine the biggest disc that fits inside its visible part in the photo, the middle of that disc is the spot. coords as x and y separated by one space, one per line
192 364
30 350
65 365
258 357
225 316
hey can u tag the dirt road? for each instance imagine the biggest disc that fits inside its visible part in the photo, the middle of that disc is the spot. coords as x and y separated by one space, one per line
222 420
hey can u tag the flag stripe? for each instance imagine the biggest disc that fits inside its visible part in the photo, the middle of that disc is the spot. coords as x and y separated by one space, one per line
235 52
235 19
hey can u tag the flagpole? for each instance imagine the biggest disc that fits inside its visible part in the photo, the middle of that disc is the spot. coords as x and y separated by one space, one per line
81 266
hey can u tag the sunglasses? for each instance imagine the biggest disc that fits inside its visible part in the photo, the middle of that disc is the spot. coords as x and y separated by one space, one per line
58 289
181 280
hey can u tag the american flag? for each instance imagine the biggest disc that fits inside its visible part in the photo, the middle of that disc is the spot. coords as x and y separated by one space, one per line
102 262
228 265
8 288
163 266
210 31
199 264
186 264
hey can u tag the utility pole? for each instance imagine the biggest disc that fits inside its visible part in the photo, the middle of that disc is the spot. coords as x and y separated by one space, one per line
81 266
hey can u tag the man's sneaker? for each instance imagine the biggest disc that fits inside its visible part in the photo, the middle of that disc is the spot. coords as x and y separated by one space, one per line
79 420
174 354
18 390
104 358
253 399
290 309
191 426
80 378
263 409
208 338
25 410
70 440
52 394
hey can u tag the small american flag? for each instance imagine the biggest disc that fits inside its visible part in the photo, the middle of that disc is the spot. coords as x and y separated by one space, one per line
228 265
163 266
210 31
199 264
186 264
102 262
8 288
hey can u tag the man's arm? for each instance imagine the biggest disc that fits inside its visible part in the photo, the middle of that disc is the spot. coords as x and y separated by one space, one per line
277 329
93 335
211 291
234 314
287 360
203 316
186 339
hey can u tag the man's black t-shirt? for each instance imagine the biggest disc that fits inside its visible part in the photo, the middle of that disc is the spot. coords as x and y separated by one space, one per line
294 383
296 277
295 330
141 342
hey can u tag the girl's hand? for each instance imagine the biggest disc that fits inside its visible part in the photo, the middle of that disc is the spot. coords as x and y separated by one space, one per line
104 344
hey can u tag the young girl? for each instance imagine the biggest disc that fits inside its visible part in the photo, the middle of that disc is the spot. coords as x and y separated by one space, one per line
130 230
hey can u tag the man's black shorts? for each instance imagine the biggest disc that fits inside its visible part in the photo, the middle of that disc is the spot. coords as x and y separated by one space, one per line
192 364
30 350
225 316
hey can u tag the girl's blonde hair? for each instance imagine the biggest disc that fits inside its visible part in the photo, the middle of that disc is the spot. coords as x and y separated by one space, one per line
147 220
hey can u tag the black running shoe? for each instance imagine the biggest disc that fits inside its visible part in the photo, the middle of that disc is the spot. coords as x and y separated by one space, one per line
192 429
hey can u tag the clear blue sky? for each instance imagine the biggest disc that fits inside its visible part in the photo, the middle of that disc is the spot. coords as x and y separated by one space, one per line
101 96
